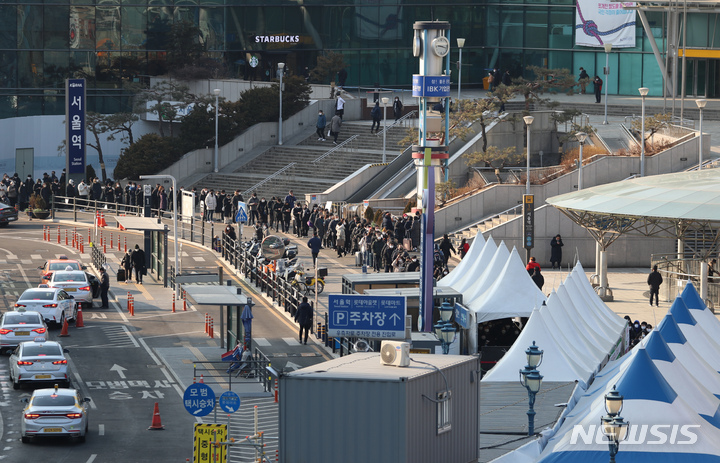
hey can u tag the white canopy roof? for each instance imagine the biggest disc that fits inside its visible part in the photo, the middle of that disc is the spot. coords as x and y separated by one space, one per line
466 264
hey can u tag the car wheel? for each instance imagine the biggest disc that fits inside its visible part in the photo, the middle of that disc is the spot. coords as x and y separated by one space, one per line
62 320
74 312
16 385
25 439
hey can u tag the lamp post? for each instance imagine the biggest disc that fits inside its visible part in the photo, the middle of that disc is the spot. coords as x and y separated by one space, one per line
528 122
608 47
643 93
581 137
613 425
701 104
385 101
444 329
174 215
281 66
461 44
217 97
531 379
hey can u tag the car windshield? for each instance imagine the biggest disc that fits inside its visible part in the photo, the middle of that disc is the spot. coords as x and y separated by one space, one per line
38 350
64 265
69 277
14 318
41 295
54 400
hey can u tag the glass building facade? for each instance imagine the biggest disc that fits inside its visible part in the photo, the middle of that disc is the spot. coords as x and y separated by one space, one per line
110 42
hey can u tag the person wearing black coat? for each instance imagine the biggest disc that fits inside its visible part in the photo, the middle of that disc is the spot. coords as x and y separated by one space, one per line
654 280
304 317
446 246
556 245
138 260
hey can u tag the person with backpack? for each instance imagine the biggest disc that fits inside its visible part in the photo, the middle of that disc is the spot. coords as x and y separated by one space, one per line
376 115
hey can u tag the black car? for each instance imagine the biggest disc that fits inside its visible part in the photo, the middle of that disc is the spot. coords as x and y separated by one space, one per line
7 214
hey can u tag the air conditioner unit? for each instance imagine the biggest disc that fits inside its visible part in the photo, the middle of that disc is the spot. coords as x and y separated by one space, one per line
395 353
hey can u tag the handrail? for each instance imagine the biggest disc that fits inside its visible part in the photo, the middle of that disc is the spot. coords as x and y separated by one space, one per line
398 122
489 217
332 150
267 179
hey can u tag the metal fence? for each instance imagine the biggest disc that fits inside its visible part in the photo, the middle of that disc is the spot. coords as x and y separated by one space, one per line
676 273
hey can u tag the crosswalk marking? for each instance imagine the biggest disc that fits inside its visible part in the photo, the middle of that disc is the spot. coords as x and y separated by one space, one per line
199 259
26 261
291 341
261 342
32 256
12 257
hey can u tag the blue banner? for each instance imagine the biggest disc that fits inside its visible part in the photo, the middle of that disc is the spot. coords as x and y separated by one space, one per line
430 86
75 123
381 317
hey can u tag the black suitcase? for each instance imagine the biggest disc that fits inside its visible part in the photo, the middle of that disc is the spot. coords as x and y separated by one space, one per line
358 259
121 275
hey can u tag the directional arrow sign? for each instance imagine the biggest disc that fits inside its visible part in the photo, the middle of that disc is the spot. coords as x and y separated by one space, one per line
292 366
229 401
119 370
199 399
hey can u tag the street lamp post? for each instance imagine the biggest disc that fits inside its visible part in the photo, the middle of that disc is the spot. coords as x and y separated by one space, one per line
217 98
281 67
643 93
461 44
701 104
608 47
174 216
581 137
531 379
444 329
613 425
385 101
528 122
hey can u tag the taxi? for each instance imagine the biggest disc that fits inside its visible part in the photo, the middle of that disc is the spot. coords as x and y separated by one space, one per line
20 326
39 361
54 304
75 283
61 263
55 412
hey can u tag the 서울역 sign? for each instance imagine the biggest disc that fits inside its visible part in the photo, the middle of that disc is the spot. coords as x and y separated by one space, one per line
352 315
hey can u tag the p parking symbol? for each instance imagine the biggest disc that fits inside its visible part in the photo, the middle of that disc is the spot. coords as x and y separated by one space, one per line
341 318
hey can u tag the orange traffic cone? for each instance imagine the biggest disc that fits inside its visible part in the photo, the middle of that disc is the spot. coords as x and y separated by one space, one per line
79 320
64 332
102 220
156 422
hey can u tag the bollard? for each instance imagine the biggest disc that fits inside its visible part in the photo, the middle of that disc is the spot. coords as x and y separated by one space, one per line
128 300
184 297
58 234
82 246
211 333
173 310
66 237
318 334
74 236
125 239
104 249
111 240
276 390
132 307
102 238
207 323
119 248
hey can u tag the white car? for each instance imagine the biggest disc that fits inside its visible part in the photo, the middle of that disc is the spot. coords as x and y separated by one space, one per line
20 326
39 361
55 412
75 283
54 304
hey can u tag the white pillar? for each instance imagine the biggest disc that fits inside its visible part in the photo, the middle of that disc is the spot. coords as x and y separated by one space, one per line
703 280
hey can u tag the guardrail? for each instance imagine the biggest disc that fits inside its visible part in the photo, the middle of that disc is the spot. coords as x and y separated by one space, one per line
272 176
342 145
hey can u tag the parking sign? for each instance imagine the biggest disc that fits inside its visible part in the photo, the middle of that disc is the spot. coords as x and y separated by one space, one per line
380 317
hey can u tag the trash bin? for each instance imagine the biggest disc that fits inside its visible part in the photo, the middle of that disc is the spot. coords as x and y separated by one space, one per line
486 82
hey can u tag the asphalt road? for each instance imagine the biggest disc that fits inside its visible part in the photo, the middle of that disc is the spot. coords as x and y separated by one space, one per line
115 360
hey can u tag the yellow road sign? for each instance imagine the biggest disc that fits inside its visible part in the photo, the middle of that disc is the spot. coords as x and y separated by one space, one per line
204 451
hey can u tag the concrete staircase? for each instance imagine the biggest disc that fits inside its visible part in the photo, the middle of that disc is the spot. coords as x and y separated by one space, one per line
308 174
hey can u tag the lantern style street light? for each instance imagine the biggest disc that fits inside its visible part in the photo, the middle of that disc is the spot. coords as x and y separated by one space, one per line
528 122
581 137
614 427
643 93
701 104
531 379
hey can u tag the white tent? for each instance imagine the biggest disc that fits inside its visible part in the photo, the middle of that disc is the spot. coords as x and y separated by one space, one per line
588 329
478 263
568 327
484 278
581 280
512 293
465 264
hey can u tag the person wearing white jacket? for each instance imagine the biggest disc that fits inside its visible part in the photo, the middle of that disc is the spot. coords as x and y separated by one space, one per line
210 204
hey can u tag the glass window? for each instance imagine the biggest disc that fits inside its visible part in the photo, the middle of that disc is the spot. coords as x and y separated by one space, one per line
56 27
134 24
8 27
512 27
56 69
107 20
561 60
697 29
444 409
29 23
82 64
536 27
212 28
8 69
493 26
159 24
82 27
30 69
562 23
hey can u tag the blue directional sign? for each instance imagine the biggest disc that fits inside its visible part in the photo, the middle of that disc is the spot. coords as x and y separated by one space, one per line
199 399
229 401
381 317
430 86
242 214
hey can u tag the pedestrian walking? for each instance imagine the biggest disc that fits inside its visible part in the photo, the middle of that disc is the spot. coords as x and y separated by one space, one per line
304 317
138 259
376 115
320 125
104 287
127 264
598 83
335 125
446 246
315 245
397 108
339 106
584 78
654 280
556 245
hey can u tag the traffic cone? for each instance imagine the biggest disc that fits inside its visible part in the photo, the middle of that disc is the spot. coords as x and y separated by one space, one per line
64 332
156 422
102 220
79 320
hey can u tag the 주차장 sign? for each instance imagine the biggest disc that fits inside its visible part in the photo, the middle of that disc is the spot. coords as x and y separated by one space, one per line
380 317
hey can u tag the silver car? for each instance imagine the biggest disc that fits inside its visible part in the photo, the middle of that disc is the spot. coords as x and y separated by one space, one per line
20 326
54 304
55 412
75 283
39 361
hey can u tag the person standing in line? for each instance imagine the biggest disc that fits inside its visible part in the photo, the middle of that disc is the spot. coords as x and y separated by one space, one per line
304 317
397 108
210 205
335 125
104 287
464 248
320 126
339 106
253 205
376 115
127 264
654 280
315 245
556 245
584 78
138 260
598 83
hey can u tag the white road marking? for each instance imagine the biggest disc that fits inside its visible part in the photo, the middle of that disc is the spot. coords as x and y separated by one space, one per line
199 259
98 315
12 257
101 429
120 370
32 256
261 342
291 341
92 458
26 261
293 366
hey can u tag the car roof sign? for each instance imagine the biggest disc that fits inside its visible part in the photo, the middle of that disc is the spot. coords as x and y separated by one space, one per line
39 339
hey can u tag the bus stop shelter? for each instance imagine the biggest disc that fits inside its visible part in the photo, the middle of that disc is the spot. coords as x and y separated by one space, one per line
155 239
203 295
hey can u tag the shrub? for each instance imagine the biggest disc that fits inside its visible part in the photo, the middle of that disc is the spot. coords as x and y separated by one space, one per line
149 155
369 214
37 203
